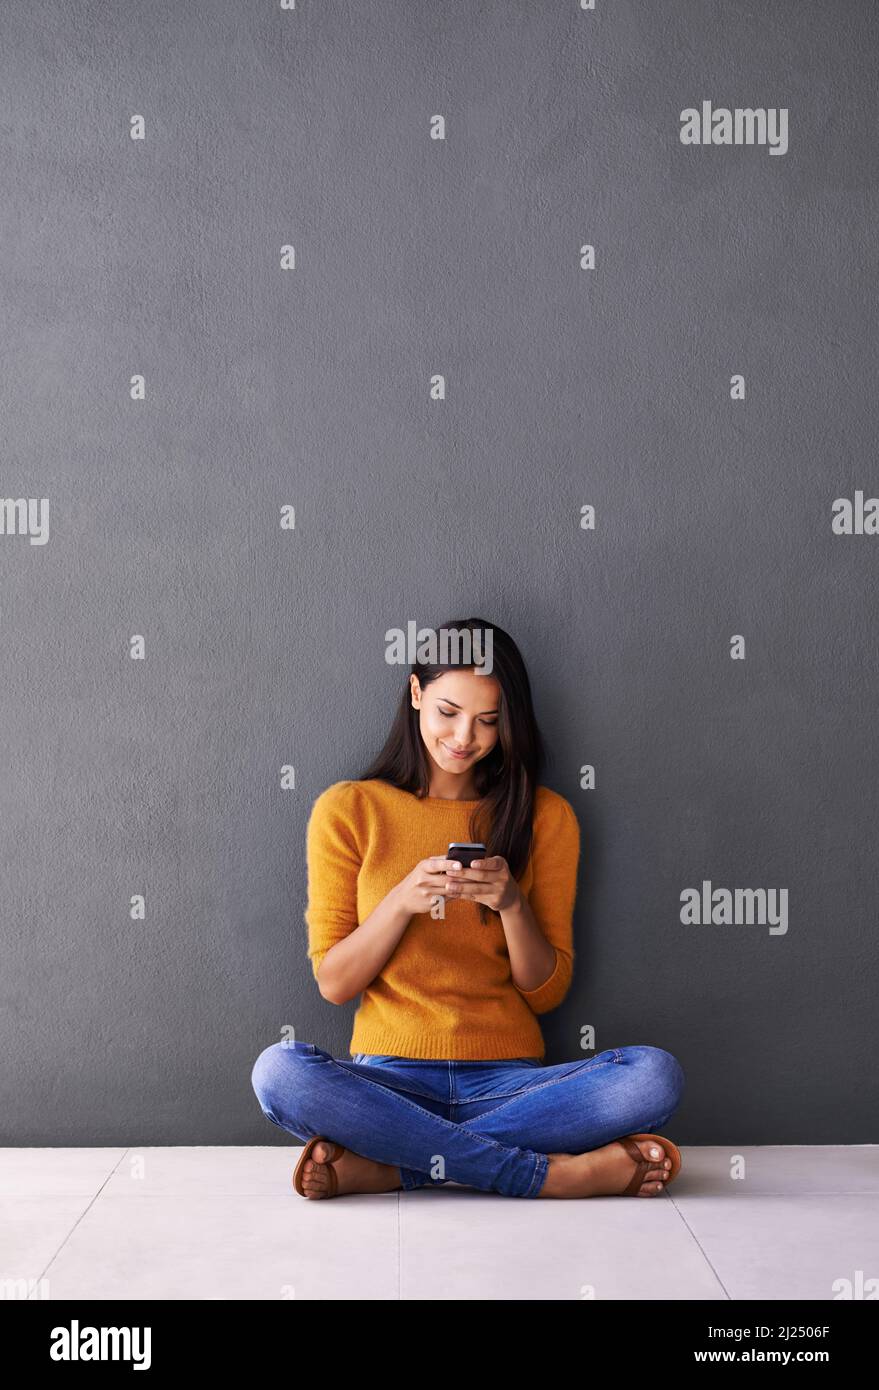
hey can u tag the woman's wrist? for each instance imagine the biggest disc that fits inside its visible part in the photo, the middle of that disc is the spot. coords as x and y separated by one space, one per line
396 902
514 908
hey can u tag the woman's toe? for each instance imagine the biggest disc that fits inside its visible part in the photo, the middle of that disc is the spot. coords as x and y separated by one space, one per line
650 1188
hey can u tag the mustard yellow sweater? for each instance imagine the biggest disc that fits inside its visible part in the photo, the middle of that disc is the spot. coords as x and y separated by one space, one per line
446 990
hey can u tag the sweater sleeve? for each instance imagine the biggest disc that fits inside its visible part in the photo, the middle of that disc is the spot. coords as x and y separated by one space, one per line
333 866
555 854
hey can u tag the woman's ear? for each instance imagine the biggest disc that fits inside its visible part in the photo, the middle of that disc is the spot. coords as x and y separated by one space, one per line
415 691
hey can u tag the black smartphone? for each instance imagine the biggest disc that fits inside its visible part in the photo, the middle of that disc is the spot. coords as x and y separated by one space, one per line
465 853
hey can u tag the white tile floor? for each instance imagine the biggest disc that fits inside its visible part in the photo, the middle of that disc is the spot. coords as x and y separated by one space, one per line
216 1223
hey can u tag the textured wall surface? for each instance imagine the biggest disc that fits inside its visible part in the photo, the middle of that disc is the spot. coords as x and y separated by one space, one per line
171 379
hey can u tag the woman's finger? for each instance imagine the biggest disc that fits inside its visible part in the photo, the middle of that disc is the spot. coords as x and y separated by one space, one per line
470 890
477 877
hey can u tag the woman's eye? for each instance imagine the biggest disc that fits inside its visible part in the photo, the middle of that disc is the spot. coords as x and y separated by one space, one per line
450 714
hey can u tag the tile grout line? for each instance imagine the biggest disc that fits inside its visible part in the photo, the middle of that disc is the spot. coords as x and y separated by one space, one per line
698 1244
82 1214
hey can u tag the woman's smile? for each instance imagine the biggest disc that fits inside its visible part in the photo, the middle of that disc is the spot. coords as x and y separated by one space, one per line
452 753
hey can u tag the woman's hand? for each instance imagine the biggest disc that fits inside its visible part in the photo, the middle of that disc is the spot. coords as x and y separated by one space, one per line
420 890
487 881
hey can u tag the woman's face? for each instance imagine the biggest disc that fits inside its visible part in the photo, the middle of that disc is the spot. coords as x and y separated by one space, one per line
458 717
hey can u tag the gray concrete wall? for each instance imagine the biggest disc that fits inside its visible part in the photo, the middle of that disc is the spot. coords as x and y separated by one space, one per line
309 387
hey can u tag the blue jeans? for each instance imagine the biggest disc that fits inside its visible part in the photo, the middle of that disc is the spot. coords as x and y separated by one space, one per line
486 1124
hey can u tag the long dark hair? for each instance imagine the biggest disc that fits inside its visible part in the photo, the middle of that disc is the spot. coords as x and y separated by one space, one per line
507 778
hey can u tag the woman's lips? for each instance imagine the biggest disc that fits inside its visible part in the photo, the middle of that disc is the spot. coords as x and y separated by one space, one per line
452 754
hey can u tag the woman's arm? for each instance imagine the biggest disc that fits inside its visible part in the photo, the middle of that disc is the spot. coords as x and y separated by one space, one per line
539 928
347 955
353 963
532 957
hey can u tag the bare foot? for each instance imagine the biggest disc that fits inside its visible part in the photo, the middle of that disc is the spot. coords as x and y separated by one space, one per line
354 1173
605 1172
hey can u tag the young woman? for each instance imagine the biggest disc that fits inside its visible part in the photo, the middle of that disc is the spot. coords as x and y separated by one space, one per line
446 1081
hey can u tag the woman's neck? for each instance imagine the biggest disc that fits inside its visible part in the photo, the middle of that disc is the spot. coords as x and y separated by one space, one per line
445 786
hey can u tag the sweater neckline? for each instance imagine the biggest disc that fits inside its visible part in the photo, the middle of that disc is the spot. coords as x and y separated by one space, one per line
450 800
434 800
440 800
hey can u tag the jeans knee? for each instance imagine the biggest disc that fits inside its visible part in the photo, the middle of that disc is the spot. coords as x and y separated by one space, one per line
664 1076
263 1077
273 1071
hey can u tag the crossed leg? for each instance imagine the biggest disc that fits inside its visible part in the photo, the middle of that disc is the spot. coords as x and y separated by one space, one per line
552 1137
574 1112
